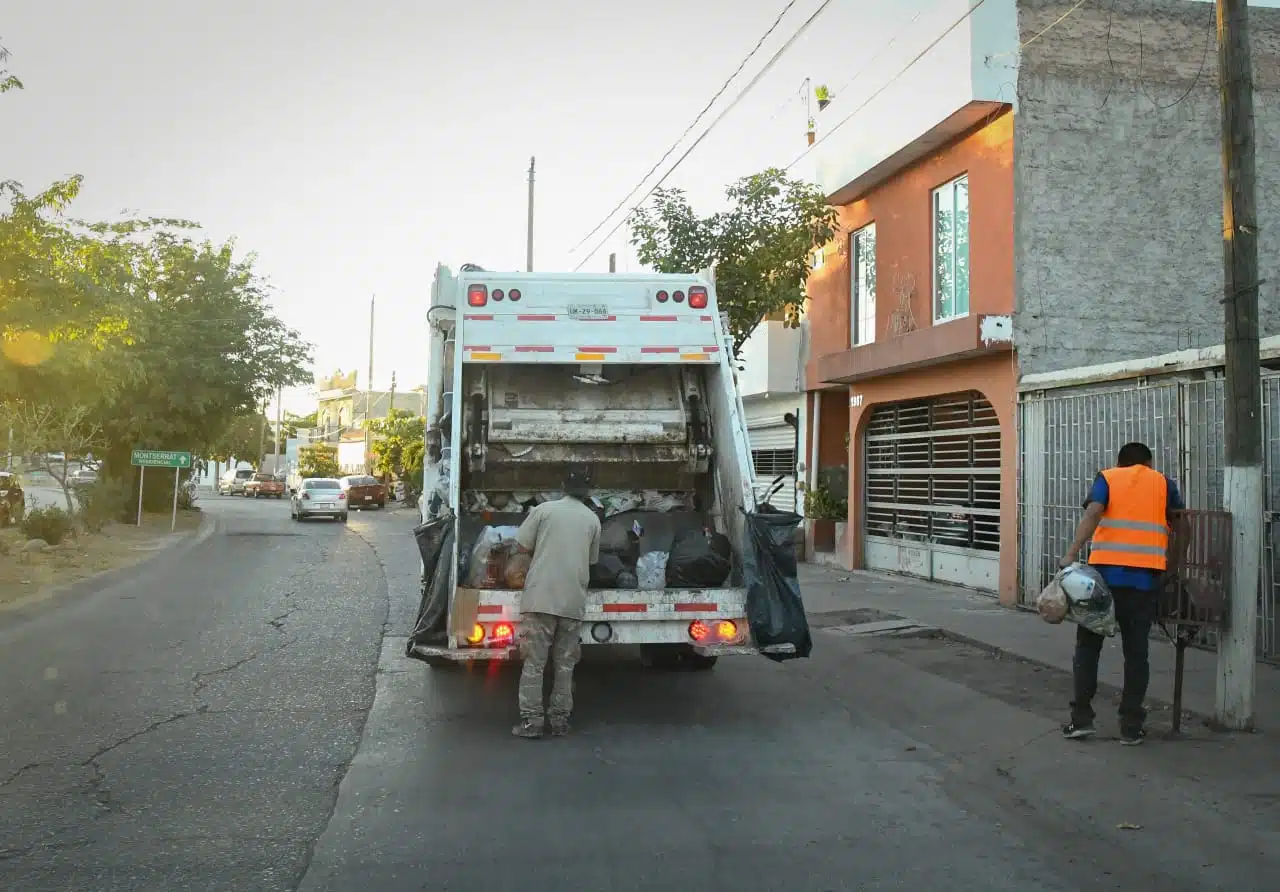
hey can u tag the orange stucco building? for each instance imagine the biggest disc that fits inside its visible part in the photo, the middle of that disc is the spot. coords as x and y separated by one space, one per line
911 377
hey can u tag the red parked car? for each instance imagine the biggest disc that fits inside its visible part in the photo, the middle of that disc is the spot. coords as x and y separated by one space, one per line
264 486
364 491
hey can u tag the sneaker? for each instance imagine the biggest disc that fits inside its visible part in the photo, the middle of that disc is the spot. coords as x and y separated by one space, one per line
1132 738
559 729
1077 731
528 729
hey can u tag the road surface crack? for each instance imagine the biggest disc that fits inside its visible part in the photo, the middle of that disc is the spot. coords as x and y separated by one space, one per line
200 678
30 766
97 784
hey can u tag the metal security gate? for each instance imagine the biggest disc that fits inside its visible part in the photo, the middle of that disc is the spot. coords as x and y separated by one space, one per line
773 452
932 472
1066 436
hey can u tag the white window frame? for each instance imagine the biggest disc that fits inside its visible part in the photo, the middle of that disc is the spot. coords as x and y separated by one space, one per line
948 187
862 318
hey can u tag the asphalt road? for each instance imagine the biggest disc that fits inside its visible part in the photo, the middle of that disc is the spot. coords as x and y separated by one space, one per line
214 726
188 729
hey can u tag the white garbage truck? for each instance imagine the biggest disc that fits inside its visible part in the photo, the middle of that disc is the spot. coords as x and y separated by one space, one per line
627 375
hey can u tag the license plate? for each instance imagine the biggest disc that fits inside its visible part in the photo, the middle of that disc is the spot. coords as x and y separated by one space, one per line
324 504
368 498
588 311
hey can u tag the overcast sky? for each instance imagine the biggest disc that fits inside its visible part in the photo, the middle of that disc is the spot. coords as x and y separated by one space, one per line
352 146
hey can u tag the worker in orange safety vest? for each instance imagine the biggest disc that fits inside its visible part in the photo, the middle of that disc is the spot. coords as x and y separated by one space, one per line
1129 515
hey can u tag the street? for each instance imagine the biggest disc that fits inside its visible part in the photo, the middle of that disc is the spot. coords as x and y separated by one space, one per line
235 718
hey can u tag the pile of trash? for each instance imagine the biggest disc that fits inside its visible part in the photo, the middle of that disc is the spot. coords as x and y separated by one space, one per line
611 501
645 550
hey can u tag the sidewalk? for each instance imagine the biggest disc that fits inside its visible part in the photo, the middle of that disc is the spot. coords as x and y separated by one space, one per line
980 620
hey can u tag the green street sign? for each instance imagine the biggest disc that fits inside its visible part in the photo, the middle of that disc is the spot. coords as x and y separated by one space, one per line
152 458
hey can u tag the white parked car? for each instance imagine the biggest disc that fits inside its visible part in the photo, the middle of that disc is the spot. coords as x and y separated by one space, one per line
319 497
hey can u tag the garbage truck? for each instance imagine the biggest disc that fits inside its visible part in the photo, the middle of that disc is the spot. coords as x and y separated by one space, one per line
629 376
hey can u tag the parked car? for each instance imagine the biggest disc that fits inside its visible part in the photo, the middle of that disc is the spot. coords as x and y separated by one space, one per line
83 478
319 497
13 501
232 483
261 486
364 491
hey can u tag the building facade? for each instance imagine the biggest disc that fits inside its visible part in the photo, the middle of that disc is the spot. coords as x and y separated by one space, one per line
1046 178
771 383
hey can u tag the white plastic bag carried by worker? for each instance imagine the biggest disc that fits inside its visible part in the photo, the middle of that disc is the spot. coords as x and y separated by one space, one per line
1079 592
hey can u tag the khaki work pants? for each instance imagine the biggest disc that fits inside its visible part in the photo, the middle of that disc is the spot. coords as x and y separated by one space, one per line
545 637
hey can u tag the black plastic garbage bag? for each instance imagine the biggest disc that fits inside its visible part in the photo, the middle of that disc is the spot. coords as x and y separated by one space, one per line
604 573
435 544
699 560
775 610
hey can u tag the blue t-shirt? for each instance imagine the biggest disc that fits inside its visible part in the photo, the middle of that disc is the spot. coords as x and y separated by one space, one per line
1141 578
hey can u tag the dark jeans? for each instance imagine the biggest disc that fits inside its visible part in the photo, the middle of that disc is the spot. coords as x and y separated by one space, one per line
1135 612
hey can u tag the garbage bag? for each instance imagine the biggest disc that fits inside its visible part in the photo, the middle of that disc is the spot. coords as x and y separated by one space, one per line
435 545
1093 607
651 571
775 610
488 565
604 573
699 559
517 570
1052 602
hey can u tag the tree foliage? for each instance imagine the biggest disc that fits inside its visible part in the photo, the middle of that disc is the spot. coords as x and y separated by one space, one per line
319 460
761 246
7 81
241 440
136 331
398 446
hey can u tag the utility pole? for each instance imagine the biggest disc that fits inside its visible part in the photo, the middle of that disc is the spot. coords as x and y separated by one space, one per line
1242 473
529 244
392 406
262 440
279 450
368 393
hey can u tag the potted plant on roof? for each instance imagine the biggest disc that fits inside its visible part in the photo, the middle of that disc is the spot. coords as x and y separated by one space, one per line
823 95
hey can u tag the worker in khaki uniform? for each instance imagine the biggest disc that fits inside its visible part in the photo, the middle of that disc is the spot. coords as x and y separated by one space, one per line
1136 534
564 537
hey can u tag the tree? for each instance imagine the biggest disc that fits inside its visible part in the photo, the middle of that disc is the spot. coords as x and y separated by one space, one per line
7 81
241 439
398 446
761 247
40 429
320 460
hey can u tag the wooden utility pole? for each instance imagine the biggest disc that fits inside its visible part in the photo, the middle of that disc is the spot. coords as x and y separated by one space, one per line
368 394
1242 473
529 244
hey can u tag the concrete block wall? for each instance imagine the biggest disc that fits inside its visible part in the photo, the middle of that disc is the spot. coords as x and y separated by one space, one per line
1118 180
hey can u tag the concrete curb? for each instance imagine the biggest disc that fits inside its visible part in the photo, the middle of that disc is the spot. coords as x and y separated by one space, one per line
30 608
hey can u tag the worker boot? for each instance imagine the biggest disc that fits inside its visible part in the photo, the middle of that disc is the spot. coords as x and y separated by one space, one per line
530 729
559 727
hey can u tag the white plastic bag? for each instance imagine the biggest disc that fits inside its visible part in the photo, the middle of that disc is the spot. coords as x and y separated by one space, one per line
487 569
651 571
1052 602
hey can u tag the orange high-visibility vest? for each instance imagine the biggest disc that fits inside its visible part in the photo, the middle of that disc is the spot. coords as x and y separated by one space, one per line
1134 530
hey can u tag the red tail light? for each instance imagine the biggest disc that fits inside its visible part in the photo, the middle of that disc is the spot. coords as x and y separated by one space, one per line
698 297
341 496
502 635
497 294
513 294
678 297
662 297
698 630
477 295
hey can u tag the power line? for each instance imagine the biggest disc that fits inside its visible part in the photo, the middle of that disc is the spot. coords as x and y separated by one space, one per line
712 126
706 108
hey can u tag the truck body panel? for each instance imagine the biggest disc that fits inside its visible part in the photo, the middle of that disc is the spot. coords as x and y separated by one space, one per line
533 373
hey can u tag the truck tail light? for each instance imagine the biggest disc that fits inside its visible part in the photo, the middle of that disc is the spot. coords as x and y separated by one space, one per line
699 631
726 630
502 635
477 295
477 634
698 297
662 297
513 294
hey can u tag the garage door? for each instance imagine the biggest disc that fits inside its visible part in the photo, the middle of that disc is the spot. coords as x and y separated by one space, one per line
773 452
933 490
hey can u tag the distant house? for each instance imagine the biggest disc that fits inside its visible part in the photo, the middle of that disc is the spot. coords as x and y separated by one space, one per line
351 454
